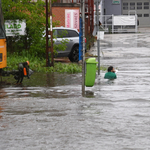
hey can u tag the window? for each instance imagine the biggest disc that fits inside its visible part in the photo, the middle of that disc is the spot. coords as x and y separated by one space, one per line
146 15
146 5
62 33
0 57
139 5
55 33
73 33
132 6
125 6
139 15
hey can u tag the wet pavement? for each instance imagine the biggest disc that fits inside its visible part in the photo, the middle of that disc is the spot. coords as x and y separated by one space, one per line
48 112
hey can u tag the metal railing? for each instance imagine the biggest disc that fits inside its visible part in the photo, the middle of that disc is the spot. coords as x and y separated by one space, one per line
109 26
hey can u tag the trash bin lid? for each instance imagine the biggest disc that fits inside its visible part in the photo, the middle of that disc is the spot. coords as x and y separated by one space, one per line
91 61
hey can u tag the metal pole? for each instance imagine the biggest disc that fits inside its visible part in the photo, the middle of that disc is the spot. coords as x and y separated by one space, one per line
51 33
112 24
83 57
46 33
98 38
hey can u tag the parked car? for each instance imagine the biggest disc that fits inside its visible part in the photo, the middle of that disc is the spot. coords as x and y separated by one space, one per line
72 46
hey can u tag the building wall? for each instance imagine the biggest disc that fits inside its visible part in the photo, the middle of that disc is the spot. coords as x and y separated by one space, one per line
110 8
58 11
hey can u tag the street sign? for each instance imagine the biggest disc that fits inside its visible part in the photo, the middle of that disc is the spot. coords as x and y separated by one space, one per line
16 27
116 1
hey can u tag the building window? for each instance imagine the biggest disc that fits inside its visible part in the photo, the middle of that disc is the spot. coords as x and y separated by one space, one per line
125 6
146 15
139 5
132 6
146 5
139 15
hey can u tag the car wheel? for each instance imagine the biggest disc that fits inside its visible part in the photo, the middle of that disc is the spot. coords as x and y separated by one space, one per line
74 55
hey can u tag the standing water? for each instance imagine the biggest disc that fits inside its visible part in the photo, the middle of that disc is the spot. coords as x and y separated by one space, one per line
48 112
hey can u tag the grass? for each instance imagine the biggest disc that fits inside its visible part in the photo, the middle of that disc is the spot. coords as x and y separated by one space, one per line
38 65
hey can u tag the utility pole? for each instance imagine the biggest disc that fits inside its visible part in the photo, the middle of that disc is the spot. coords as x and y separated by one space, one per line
51 33
47 58
49 62
98 36
83 45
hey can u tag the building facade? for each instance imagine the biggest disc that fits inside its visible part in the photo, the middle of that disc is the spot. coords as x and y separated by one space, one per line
128 7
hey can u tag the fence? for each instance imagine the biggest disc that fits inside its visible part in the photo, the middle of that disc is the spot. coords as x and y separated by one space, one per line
123 23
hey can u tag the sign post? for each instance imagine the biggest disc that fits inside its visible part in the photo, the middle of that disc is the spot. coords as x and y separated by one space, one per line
97 2
82 44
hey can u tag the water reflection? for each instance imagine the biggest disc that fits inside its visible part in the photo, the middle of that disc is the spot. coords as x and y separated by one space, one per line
44 80
49 112
2 95
1 109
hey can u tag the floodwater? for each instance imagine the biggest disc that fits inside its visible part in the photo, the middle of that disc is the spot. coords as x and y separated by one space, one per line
48 112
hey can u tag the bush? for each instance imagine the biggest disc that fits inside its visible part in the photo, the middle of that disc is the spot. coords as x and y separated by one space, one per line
38 64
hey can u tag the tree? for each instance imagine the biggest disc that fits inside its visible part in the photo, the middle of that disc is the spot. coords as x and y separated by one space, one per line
34 14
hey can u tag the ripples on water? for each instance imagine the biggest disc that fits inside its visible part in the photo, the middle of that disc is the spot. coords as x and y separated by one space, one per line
48 112
115 115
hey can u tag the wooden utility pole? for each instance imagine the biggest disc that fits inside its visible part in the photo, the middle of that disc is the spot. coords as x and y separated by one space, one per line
51 33
49 49
47 57
97 29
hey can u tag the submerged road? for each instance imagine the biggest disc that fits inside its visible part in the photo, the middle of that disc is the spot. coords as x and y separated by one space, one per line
49 113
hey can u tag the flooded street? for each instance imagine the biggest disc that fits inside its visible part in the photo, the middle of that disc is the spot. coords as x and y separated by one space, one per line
48 111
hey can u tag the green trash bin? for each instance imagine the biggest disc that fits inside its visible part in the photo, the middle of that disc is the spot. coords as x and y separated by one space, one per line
90 72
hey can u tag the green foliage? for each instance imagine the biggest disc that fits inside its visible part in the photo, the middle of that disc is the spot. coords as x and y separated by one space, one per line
34 14
38 64
35 20
89 41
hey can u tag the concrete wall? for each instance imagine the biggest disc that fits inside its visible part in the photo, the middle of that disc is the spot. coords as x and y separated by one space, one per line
110 8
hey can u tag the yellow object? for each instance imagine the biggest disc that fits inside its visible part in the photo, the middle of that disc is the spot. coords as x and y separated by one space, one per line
3 53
